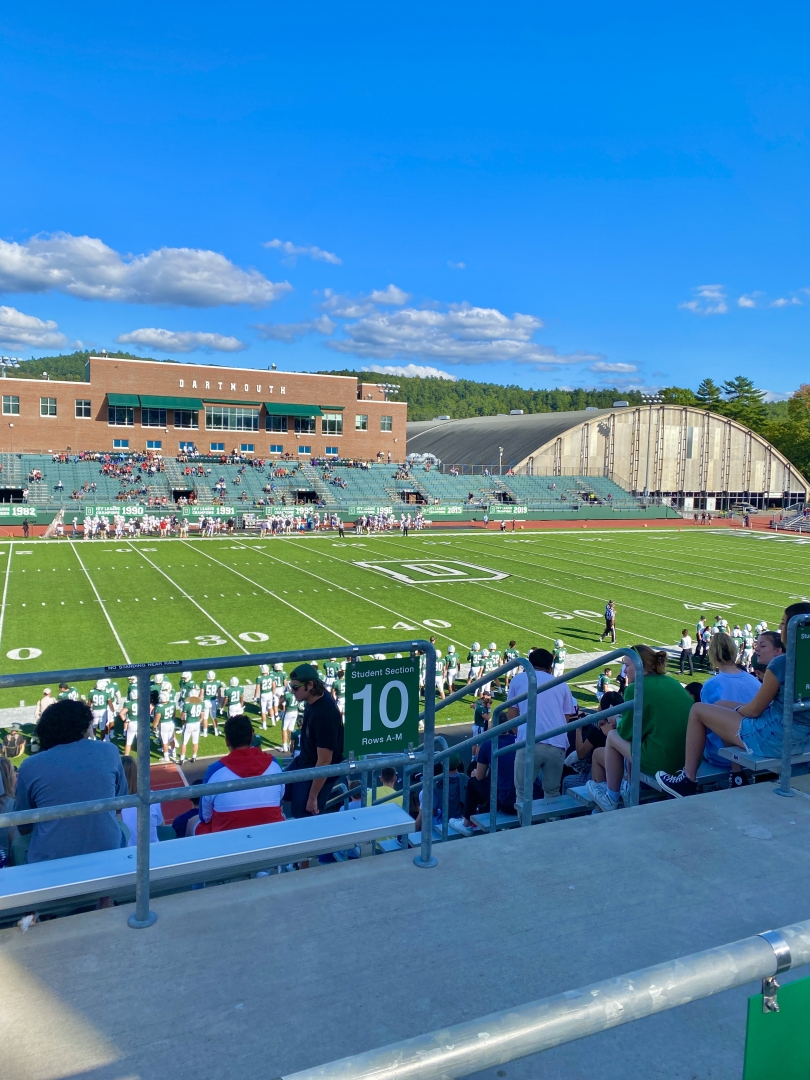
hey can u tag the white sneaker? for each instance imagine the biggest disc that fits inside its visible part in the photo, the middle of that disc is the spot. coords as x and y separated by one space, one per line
625 793
264 726
599 794
457 823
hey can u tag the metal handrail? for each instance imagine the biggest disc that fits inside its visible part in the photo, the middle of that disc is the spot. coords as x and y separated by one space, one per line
515 1033
791 706
145 797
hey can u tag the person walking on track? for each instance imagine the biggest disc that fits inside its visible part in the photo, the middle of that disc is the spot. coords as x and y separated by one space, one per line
610 622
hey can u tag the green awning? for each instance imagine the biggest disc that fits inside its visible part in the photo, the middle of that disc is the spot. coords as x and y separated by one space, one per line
148 402
225 401
130 400
333 408
275 408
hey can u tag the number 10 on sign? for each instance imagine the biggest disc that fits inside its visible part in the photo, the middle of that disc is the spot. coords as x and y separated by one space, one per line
382 706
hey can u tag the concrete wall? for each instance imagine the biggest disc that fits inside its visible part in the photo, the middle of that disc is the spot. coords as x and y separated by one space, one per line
32 433
670 449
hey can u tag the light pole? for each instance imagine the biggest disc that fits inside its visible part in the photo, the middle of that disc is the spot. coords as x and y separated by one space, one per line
500 461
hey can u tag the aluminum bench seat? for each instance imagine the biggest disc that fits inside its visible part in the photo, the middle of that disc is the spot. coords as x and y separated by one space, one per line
548 808
502 821
760 764
177 863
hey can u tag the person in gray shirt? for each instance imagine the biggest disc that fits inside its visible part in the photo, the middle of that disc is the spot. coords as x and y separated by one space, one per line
70 767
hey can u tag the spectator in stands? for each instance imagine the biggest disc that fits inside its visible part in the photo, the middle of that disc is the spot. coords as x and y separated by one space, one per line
320 743
479 785
457 781
185 824
386 788
767 645
129 815
8 787
553 709
730 683
587 759
70 767
755 726
665 715
239 809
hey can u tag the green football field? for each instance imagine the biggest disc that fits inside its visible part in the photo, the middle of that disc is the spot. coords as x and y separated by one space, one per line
71 605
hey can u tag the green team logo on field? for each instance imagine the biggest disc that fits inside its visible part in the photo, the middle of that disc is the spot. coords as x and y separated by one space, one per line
382 706
432 571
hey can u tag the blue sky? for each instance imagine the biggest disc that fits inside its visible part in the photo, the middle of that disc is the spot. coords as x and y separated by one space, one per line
551 195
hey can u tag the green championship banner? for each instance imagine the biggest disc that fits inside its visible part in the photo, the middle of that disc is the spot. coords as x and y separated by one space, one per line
14 510
777 1044
209 511
382 706
115 509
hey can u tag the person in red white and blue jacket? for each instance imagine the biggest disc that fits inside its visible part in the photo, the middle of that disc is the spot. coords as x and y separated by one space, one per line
240 809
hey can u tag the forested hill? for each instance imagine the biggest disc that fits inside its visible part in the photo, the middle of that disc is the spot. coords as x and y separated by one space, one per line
68 368
428 398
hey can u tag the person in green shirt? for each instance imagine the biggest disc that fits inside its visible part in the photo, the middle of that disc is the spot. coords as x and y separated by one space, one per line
164 721
265 692
330 672
476 661
339 691
603 683
665 716
234 697
559 654
188 685
451 667
212 690
290 718
192 715
67 692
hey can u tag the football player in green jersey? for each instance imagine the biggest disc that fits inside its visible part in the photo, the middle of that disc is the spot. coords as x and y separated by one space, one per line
559 655
192 715
339 690
476 661
129 714
290 718
509 654
330 671
212 689
67 692
234 697
188 685
164 718
451 667
265 692
279 679
98 701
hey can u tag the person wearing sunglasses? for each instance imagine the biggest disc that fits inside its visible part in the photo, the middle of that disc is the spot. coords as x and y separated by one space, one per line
320 743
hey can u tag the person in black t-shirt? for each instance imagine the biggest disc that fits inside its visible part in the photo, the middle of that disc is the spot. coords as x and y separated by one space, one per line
321 740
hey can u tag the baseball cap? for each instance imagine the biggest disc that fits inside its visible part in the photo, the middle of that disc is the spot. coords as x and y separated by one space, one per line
305 673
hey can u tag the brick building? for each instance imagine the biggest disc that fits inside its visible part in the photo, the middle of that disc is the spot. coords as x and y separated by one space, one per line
146 404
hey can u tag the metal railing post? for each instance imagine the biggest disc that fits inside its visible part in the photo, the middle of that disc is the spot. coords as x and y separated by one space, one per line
786 771
143 917
426 858
529 771
638 713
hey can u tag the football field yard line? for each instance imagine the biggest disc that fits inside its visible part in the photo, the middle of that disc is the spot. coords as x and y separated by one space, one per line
5 590
551 585
477 611
199 607
359 596
620 584
250 581
101 602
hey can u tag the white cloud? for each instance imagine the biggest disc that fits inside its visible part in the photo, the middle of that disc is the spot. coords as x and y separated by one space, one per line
87 268
748 300
784 301
456 265
289 332
707 300
390 295
618 369
19 329
461 333
292 250
181 341
774 395
412 371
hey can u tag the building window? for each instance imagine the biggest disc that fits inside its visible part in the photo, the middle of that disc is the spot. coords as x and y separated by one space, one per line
304 449
82 408
386 423
186 418
305 425
120 416
276 448
154 444
247 447
11 405
332 423
228 418
120 444
187 448
47 406
277 424
153 418
331 451
361 423
690 441
217 446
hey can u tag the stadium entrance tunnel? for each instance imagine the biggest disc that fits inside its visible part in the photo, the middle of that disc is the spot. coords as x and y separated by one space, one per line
11 495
